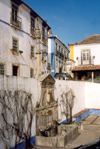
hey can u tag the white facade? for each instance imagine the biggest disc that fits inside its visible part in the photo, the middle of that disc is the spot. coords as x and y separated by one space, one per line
8 31
57 55
94 52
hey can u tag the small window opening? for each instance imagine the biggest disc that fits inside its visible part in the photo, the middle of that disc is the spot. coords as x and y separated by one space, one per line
15 70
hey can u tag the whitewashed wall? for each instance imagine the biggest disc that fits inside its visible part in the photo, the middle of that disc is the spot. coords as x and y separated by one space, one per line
87 95
94 50
92 95
24 86
79 92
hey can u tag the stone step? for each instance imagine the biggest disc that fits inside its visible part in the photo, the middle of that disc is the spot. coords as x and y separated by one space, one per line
90 127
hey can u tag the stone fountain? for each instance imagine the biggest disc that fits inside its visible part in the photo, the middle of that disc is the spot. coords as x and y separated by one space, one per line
48 132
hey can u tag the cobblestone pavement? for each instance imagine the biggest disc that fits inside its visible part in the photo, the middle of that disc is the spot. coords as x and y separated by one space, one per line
90 132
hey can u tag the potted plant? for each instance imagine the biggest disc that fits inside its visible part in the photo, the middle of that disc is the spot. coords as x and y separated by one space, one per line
83 78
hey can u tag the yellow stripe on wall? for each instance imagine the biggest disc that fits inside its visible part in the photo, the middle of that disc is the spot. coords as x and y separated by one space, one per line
71 52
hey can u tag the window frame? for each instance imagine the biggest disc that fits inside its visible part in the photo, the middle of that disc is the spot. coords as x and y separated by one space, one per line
17 70
32 28
85 57
3 70
12 11
15 20
31 53
43 32
15 51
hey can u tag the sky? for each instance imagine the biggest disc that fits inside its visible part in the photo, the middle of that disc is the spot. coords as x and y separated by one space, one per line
71 20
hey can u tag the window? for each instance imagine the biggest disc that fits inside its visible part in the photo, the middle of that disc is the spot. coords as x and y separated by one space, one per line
15 45
85 56
32 51
59 48
1 69
32 24
14 12
43 32
56 46
15 19
31 73
15 70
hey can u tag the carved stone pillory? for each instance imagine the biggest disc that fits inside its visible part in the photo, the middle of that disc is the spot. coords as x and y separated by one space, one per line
47 108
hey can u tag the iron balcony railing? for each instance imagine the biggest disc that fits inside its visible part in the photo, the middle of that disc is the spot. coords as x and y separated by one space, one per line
81 61
16 21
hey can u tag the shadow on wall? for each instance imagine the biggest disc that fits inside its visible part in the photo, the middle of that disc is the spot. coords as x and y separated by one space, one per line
16 119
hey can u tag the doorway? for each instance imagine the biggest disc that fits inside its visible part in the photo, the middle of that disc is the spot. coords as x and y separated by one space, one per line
15 70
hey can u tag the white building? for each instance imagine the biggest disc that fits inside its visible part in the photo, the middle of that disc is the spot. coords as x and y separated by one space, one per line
57 55
86 55
17 39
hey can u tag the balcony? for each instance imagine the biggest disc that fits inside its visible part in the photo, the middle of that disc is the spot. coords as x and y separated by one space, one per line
44 40
16 22
89 61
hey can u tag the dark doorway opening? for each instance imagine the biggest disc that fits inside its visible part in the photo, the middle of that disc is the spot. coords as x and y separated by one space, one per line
15 70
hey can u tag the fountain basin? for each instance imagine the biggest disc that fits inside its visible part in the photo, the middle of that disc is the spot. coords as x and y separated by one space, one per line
66 133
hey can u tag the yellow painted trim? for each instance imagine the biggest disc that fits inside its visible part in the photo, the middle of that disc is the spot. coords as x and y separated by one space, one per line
71 52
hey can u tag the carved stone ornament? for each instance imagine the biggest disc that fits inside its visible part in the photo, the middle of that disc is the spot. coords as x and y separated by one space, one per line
48 106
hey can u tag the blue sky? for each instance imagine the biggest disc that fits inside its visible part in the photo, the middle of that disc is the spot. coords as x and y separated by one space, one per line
71 20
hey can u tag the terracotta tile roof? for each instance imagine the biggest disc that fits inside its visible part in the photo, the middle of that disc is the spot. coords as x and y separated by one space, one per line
88 67
91 39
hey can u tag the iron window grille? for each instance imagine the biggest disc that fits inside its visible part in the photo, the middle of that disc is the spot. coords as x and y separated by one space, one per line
32 51
15 45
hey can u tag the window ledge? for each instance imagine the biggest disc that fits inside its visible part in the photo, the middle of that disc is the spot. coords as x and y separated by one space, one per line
16 28
20 51
43 61
32 35
16 53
